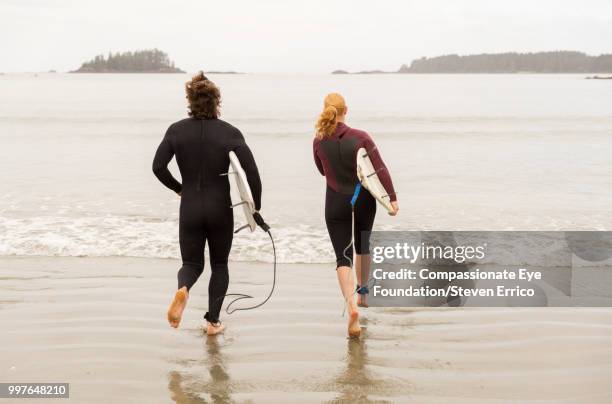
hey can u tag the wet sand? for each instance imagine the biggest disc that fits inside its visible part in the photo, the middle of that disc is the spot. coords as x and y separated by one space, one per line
99 324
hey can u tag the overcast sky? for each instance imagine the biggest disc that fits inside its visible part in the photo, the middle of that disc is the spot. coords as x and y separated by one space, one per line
293 36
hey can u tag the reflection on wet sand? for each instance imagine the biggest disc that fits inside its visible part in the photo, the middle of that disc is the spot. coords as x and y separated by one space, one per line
183 390
178 393
292 351
219 386
355 383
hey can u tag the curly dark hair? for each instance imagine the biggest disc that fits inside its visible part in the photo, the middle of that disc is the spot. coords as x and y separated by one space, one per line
204 97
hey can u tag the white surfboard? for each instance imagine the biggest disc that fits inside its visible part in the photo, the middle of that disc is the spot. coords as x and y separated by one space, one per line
244 191
369 179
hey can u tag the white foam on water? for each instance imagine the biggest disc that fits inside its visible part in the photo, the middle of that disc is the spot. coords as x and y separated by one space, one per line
150 238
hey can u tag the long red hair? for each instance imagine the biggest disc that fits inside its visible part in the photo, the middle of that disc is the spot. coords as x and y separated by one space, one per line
333 107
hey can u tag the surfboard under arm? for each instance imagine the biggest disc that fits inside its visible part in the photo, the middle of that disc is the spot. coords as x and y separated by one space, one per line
369 179
244 192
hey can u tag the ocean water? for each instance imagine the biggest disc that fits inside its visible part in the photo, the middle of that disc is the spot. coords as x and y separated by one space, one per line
466 152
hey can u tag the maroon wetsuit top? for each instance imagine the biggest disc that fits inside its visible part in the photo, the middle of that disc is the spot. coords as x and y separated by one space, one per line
336 159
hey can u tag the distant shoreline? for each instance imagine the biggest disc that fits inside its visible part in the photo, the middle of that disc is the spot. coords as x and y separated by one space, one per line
599 78
152 72
368 72
151 61
123 72
223 72
556 62
604 76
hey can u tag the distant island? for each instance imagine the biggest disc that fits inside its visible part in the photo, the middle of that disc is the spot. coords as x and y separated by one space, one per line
222 72
361 72
144 61
512 62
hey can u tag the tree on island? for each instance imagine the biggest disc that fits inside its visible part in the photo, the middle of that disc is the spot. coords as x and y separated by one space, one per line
144 61
511 62
540 62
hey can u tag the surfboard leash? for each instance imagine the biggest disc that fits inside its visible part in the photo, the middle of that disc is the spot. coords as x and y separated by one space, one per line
353 201
350 245
240 296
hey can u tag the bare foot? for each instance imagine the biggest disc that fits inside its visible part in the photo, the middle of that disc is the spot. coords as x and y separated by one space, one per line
362 301
214 328
354 330
175 311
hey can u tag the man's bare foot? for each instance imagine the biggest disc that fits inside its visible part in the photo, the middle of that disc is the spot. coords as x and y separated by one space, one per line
214 328
175 311
354 330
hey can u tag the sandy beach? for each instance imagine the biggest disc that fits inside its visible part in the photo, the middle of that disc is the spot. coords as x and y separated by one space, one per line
118 120
99 324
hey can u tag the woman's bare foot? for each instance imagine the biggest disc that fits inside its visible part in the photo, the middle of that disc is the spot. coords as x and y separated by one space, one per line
214 328
354 330
362 301
175 311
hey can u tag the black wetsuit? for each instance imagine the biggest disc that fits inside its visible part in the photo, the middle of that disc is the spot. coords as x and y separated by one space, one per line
201 147
336 159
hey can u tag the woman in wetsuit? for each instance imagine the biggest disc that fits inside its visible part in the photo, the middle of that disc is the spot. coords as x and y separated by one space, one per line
335 153
201 145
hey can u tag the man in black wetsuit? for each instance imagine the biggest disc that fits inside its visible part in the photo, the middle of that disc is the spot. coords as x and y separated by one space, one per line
201 145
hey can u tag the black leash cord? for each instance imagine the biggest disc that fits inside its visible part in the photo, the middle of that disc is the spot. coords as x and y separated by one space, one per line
243 296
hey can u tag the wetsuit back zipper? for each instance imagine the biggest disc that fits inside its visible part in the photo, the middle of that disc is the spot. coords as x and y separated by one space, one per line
200 176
